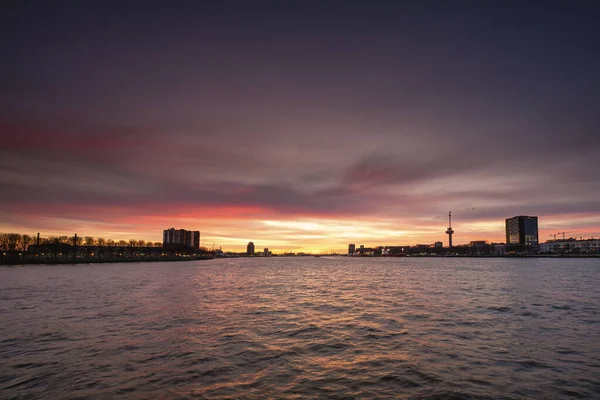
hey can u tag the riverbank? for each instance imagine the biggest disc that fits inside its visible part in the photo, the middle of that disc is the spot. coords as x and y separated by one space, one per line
16 261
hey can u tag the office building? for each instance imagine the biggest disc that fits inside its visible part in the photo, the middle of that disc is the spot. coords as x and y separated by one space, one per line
181 237
351 248
522 230
250 249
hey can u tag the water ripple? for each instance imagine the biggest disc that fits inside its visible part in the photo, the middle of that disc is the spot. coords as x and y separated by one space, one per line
301 328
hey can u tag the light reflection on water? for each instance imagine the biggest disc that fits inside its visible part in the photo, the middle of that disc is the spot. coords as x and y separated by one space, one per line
302 328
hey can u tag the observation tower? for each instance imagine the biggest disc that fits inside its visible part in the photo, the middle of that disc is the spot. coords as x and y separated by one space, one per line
449 231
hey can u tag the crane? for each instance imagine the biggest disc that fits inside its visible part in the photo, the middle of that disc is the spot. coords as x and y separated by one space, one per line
561 233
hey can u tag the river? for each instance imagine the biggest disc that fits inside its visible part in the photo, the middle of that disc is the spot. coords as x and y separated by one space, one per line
302 328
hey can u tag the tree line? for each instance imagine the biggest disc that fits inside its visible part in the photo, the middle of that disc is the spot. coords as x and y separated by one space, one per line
20 242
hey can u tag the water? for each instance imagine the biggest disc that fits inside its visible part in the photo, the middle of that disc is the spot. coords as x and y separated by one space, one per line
302 328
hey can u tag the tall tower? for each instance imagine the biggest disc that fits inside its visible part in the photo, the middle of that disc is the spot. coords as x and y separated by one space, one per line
449 231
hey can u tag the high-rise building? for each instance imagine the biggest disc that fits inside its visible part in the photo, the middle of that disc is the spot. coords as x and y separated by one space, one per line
351 248
195 239
181 237
522 229
250 249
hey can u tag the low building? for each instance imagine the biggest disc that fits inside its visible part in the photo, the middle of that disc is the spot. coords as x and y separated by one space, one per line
474 243
480 247
571 246
499 249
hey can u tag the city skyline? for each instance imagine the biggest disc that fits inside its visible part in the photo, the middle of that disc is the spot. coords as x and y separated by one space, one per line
300 126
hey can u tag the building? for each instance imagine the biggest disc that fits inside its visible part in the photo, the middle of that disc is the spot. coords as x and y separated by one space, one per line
438 245
182 237
250 249
499 249
572 246
195 240
351 248
522 230
480 247
173 235
395 250
475 243
266 252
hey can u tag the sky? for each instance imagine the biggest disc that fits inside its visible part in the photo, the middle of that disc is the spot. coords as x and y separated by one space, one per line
299 125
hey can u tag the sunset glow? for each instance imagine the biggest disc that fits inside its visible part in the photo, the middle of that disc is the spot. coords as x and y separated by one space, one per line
296 136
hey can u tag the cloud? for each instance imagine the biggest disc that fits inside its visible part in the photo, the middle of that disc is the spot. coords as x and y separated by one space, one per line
208 118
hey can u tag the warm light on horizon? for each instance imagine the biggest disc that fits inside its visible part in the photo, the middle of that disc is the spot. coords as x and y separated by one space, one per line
308 235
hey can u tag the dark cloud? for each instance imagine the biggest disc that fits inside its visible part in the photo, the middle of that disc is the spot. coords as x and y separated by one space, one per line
394 111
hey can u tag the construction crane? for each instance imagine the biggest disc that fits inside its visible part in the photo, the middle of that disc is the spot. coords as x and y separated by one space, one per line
560 233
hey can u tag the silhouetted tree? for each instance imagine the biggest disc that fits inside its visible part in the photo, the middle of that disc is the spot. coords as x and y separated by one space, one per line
133 242
101 242
89 241
141 243
110 242
26 240
14 241
74 241
122 243
3 241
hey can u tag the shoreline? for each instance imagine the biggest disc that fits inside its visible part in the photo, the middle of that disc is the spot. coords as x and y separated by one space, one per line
12 263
